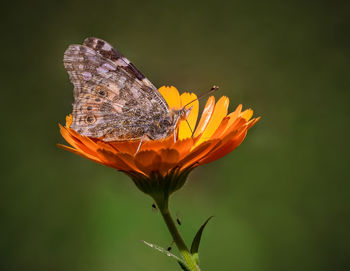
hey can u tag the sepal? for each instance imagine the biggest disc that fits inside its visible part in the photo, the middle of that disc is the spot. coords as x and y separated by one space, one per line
160 186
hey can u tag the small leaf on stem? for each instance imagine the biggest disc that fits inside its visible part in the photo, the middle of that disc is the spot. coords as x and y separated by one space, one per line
166 252
197 240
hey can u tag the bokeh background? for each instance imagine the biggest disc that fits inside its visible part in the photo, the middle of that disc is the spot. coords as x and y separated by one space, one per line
281 200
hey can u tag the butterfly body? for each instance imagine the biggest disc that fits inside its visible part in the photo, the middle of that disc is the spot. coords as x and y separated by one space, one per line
113 100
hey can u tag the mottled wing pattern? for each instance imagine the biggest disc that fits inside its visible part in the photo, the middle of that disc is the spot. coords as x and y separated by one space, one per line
107 51
112 99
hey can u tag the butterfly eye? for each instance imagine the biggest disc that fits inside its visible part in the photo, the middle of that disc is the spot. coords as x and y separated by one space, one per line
90 119
165 122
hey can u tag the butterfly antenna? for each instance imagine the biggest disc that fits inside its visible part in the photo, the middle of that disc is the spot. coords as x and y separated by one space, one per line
189 126
213 89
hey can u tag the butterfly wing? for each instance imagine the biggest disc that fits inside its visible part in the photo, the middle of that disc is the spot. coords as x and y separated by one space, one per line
111 97
106 50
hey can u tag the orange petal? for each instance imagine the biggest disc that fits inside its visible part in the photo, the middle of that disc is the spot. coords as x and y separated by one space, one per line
183 147
171 96
148 161
114 161
106 146
206 115
66 135
220 130
126 146
186 127
129 160
252 122
198 153
247 114
158 144
220 111
170 158
240 122
94 159
236 129
226 147
234 115
73 138
69 120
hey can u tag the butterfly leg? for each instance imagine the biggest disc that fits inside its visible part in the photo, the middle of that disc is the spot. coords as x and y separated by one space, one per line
138 148
174 135
143 138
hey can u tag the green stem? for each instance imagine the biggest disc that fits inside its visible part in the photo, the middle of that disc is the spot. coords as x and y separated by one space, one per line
187 256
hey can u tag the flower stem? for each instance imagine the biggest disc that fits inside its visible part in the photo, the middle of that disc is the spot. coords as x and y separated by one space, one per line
187 256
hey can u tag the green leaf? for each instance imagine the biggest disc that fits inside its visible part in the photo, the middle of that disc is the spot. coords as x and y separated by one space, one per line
167 253
197 240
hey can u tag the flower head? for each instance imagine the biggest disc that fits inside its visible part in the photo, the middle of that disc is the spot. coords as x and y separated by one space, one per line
167 162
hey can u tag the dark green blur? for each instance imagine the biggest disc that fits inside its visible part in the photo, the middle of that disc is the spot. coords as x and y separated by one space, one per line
280 201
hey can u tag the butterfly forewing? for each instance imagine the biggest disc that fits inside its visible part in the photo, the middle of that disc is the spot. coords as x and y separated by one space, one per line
108 52
112 99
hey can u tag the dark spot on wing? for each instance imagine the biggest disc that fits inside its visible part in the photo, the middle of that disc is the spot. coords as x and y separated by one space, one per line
99 44
90 119
102 93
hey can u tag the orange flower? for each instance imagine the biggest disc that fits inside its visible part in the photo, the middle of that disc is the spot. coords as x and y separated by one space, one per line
217 134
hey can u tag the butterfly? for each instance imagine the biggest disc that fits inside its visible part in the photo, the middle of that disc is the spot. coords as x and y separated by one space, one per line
113 100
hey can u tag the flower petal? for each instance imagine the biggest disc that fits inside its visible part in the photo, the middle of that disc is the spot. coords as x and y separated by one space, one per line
171 96
220 111
240 122
158 144
106 145
222 127
126 146
148 161
247 114
233 116
128 160
186 127
170 157
236 128
206 115
252 122
198 153
75 140
112 160
226 147
82 154
183 147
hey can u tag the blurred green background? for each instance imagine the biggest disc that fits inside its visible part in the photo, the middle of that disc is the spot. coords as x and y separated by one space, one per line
281 200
